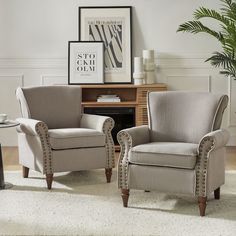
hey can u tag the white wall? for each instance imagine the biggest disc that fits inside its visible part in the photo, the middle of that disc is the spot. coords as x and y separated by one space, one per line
34 36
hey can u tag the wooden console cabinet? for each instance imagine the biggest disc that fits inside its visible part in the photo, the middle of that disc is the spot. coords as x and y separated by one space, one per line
131 96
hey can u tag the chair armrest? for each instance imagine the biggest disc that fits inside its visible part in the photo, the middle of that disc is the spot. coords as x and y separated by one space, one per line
127 139
214 140
208 144
136 135
105 125
31 126
97 122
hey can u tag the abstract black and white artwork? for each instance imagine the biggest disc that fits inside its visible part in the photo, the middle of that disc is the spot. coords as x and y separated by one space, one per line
112 25
110 32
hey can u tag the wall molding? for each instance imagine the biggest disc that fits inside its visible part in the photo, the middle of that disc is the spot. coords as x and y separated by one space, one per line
33 63
164 61
195 76
19 76
232 140
230 122
183 61
53 78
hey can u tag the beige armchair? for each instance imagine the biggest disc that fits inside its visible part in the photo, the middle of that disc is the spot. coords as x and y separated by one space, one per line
54 135
180 151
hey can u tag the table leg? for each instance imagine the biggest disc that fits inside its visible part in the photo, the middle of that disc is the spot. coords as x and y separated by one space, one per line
2 184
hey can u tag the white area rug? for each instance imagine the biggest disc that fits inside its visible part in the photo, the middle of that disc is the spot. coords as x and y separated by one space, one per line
81 203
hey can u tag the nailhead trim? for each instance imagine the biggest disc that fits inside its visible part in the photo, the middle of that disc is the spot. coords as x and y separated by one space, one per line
125 142
109 143
42 130
206 145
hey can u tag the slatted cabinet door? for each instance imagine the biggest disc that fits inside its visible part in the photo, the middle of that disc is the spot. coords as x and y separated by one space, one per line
141 113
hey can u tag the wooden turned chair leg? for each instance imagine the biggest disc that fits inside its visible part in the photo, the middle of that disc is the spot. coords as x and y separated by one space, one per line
202 205
125 196
25 172
108 172
49 179
217 193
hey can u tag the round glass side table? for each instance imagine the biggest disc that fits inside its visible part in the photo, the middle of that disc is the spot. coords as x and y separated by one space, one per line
3 184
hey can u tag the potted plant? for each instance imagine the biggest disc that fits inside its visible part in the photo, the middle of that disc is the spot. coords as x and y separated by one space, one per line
226 19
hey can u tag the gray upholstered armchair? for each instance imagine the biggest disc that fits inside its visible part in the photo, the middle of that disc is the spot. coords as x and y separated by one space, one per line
54 135
180 151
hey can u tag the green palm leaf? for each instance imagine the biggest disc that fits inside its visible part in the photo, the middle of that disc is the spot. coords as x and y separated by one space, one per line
203 12
197 27
226 19
220 59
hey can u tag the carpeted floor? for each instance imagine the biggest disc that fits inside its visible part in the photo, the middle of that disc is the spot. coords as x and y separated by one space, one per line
81 203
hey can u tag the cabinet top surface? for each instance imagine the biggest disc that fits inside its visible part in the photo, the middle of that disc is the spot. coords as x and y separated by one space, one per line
160 85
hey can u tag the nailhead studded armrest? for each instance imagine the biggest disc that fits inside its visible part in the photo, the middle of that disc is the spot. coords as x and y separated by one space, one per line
211 141
127 139
31 126
105 125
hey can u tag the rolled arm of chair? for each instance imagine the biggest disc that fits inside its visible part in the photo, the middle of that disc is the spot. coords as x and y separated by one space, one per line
136 135
31 126
214 140
210 142
127 139
97 122
105 125
38 128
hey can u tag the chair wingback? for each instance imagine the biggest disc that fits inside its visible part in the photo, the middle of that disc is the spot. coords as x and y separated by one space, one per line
57 106
184 116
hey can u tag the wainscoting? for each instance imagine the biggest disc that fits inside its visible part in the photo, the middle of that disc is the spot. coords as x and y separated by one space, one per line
188 72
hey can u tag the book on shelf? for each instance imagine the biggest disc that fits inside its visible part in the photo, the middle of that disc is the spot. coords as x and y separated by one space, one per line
108 98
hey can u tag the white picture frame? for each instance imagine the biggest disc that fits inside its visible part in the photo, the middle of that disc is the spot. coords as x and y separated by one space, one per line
85 62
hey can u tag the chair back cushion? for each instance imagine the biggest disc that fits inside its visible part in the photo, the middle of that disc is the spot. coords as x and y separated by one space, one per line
57 106
184 116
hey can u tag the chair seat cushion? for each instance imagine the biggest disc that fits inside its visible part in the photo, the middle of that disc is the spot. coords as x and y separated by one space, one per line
168 154
75 138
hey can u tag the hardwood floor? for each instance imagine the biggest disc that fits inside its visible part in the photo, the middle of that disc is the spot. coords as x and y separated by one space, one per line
10 158
230 158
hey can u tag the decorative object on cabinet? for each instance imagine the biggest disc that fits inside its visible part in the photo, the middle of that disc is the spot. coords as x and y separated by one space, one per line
55 136
181 150
149 66
3 118
138 74
85 62
130 111
113 26
108 98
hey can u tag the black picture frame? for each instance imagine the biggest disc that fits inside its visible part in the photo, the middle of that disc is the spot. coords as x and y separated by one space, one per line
77 76
114 75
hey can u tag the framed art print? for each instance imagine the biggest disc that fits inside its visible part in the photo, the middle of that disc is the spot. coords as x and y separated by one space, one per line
112 25
85 62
